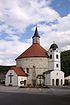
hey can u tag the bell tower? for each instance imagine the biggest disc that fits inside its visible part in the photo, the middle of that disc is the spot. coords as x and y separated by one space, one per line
36 37
54 57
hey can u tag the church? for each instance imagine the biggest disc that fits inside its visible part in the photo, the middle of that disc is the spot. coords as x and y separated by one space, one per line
36 66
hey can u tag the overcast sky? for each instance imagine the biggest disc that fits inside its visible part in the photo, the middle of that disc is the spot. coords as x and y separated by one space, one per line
18 19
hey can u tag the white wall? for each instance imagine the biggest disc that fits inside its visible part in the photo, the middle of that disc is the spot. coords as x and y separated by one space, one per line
14 78
54 60
21 78
57 75
47 79
54 75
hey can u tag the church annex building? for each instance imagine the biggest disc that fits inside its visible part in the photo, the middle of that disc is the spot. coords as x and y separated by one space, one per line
36 66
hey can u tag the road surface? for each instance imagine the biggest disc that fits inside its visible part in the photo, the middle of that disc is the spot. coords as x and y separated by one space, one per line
16 96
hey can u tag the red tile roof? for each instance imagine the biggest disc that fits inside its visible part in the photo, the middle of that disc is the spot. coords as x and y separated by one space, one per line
34 51
18 71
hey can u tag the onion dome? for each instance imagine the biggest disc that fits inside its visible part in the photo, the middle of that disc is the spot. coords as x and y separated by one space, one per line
53 46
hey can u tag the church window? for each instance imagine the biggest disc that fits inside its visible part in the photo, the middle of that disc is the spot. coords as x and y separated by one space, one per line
57 82
53 82
50 50
50 56
56 65
56 56
27 70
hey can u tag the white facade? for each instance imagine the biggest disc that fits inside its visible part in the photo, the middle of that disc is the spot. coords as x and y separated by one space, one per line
21 80
58 77
54 59
15 80
54 78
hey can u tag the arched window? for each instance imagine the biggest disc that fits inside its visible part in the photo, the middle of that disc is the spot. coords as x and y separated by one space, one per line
27 69
57 82
56 56
50 56
50 50
52 82
57 65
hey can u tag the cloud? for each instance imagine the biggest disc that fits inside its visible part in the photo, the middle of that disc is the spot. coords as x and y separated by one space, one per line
20 14
63 23
10 50
17 15
59 32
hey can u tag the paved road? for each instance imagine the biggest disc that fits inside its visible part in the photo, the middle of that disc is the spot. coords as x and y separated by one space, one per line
22 96
33 99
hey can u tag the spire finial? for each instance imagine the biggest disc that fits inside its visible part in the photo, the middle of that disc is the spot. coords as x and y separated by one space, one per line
36 34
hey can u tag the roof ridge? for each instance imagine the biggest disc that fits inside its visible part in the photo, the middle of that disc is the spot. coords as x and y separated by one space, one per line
19 71
35 50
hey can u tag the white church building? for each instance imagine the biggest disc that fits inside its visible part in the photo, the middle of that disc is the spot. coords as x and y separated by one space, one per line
15 77
39 66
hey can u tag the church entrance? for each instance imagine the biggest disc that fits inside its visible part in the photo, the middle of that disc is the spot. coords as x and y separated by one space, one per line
40 80
57 82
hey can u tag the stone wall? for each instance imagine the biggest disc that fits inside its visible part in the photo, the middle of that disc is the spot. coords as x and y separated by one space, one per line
40 64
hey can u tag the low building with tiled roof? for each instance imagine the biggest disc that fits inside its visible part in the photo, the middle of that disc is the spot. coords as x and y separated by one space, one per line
19 71
15 77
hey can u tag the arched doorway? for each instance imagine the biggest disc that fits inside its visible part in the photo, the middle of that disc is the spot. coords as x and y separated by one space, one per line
52 82
57 82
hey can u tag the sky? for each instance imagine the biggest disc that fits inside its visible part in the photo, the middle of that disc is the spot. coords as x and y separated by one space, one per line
18 19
